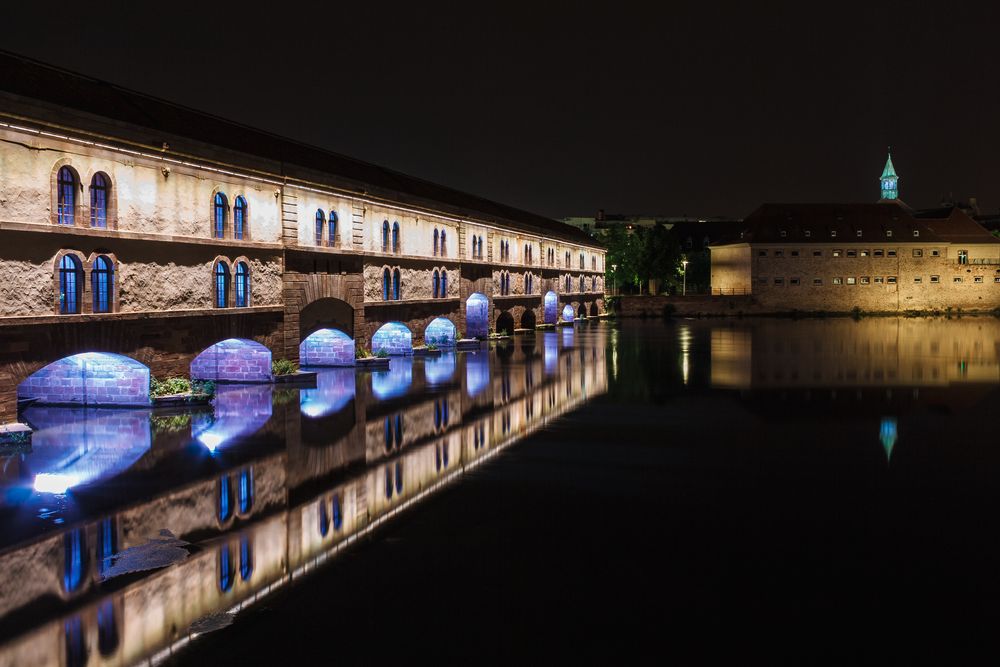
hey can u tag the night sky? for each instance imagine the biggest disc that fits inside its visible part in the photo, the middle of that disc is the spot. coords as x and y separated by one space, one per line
697 109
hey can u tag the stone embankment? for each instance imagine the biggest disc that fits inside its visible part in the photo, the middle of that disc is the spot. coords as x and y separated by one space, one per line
738 306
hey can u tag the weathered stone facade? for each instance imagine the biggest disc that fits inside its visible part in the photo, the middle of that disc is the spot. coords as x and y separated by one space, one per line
216 235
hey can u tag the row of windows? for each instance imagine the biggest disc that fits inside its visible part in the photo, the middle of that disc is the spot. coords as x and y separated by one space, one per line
225 294
963 255
440 284
440 243
868 280
326 229
67 185
857 233
583 284
71 284
220 217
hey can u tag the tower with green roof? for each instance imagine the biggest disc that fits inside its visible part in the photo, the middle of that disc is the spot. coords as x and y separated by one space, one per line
889 179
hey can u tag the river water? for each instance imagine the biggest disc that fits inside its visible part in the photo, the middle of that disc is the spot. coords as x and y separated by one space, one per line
800 490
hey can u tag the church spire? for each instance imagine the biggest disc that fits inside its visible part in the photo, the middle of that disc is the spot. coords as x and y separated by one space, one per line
888 180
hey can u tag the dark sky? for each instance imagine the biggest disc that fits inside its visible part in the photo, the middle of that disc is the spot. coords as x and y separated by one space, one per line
698 109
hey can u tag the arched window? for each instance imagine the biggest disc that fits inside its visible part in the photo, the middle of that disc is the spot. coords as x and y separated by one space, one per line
99 188
246 558
66 192
395 284
395 237
239 217
480 247
242 285
399 434
386 284
444 284
474 253
338 514
508 283
70 282
593 283
437 283
567 283
221 285
593 262
331 238
582 286
219 216
385 236
320 221
435 241
444 244
581 260
527 283
102 284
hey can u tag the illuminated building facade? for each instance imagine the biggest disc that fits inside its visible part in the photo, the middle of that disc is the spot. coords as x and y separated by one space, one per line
135 227
880 257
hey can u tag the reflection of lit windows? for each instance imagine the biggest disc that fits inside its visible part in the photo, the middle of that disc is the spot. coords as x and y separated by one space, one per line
863 253
227 568
246 558
225 498
836 253
244 490
399 477
324 520
338 514
74 559
107 545
388 482
107 628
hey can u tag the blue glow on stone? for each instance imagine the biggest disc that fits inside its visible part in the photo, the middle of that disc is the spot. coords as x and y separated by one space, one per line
477 316
550 308
438 370
393 338
233 360
335 388
395 381
568 314
240 410
327 347
550 347
440 332
89 378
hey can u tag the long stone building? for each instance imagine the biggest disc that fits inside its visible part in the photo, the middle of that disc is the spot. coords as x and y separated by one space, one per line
132 226
883 256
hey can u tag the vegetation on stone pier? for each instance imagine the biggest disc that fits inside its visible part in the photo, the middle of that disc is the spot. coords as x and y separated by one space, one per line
178 385
284 367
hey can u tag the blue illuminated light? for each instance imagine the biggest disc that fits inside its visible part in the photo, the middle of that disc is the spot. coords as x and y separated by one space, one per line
477 316
438 370
395 381
477 373
327 347
440 332
233 360
550 308
334 389
393 338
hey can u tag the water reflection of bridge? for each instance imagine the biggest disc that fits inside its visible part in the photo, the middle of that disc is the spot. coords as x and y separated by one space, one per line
270 493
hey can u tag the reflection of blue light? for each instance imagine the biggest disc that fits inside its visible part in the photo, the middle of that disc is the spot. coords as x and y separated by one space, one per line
75 446
551 349
393 338
438 370
888 434
239 410
477 373
395 381
568 314
551 308
334 389
440 332
477 315
567 337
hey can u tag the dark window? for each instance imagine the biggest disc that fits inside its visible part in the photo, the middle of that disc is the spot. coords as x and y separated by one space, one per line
70 279
242 285
386 285
246 558
435 243
227 569
331 239
102 284
385 236
99 201
395 285
399 430
473 247
338 513
437 283
244 490
221 285
320 223
444 248
444 284
219 228
239 217
66 186
395 237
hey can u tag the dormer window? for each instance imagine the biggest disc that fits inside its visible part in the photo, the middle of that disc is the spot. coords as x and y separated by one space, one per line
916 233
888 233
808 233
859 233
833 233
783 233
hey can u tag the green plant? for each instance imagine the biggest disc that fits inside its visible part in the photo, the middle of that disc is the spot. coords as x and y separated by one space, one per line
432 347
284 367
381 354
503 332
203 387
168 387
361 352
170 424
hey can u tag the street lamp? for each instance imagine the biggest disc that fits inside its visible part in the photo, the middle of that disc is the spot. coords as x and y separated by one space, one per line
684 288
614 268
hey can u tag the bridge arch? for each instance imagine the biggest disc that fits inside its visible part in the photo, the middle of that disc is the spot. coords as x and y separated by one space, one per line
233 360
581 311
568 313
477 315
326 313
594 312
393 338
441 332
327 347
505 322
550 305
528 319
89 378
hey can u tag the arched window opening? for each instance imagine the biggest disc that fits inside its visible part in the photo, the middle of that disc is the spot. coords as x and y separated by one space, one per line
582 288
395 237
387 434
437 283
70 282
338 513
474 252
399 477
444 284
219 228
239 217
398 433
480 247
221 285
395 285
227 569
99 188
320 222
245 491
386 284
242 285
385 236
246 558
331 236
324 520
225 505
567 284
435 241
102 284
444 246
66 194
388 482
107 628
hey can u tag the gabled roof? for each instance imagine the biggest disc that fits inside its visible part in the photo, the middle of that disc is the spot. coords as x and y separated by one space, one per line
883 222
89 103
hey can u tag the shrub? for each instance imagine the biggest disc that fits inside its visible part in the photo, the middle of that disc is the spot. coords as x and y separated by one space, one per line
361 352
169 386
503 332
203 387
284 367
381 354
431 346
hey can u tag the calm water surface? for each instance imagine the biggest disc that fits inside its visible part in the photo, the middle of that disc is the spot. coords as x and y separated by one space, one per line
814 491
